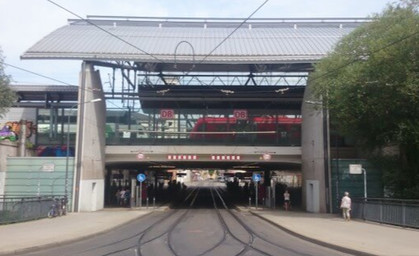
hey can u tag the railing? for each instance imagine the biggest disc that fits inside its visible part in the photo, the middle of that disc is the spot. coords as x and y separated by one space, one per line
390 211
19 208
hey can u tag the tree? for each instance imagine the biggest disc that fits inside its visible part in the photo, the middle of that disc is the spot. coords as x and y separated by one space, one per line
370 85
7 96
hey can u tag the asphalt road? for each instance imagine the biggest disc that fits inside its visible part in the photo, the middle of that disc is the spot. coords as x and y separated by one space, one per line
202 221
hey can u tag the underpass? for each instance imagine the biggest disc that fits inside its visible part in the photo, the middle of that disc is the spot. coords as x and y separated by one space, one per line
186 164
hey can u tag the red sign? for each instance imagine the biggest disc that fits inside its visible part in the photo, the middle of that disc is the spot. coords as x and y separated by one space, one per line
167 114
182 157
225 157
240 114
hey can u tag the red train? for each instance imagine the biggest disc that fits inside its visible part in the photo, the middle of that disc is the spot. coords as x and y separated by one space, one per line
261 128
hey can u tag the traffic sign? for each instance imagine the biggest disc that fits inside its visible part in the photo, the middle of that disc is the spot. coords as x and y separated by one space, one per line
256 177
141 177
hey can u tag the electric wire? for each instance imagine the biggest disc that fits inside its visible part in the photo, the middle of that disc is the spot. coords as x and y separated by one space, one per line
244 21
104 30
35 73
334 71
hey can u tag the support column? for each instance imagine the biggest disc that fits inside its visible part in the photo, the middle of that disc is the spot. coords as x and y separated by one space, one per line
267 184
313 152
90 143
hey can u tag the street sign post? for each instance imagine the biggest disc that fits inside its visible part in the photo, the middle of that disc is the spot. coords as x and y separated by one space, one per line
256 178
357 169
141 177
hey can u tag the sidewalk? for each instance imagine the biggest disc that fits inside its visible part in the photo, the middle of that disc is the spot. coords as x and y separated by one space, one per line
356 236
23 236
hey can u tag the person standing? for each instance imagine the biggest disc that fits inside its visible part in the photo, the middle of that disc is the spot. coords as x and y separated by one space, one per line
345 205
287 198
122 197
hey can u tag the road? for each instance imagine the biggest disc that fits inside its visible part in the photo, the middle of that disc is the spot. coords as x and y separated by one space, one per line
203 221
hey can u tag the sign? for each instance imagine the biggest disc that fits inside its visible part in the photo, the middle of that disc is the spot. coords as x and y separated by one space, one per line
355 168
225 157
256 177
141 177
140 156
167 114
266 157
182 157
48 167
240 114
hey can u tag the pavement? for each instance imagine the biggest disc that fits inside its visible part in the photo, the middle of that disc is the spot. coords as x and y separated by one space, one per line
356 237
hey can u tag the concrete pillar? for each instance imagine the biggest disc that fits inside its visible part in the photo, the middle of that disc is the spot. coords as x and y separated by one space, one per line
90 142
313 151
22 139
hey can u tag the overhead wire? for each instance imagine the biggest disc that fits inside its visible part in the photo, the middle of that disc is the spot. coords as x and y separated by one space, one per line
35 73
104 30
151 55
211 52
350 62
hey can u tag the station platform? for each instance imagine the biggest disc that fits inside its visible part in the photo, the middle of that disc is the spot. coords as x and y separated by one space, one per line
356 237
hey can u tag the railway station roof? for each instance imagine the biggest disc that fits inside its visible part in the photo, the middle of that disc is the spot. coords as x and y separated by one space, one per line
198 44
44 95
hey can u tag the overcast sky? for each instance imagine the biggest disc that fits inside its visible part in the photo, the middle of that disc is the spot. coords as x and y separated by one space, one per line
25 22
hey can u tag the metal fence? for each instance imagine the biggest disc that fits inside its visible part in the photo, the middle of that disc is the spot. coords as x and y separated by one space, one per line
390 211
18 208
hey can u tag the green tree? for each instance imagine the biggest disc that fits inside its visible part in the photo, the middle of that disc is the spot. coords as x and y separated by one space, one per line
7 96
370 85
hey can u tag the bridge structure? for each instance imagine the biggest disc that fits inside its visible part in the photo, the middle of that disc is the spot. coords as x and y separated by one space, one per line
184 93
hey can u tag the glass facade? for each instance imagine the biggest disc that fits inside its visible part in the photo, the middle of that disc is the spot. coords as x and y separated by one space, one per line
177 127
201 127
52 126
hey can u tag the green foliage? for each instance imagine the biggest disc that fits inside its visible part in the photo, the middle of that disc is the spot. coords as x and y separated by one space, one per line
370 85
7 96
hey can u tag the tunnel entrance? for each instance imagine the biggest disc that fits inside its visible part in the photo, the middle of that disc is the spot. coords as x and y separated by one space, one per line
123 189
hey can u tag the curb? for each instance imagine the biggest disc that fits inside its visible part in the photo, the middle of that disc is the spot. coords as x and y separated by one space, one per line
312 240
70 240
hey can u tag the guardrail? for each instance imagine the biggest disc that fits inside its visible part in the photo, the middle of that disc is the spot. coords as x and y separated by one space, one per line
390 211
24 208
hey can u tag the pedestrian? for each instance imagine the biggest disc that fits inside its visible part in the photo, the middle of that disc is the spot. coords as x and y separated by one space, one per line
122 197
287 198
118 197
127 198
345 205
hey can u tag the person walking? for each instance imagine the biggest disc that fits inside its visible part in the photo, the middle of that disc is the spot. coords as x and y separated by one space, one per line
345 205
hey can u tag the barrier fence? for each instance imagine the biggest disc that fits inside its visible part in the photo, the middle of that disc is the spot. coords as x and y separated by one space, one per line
390 211
23 208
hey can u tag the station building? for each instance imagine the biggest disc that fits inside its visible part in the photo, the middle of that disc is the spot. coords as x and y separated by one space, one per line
158 94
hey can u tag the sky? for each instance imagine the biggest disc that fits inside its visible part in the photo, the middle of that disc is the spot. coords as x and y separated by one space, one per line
24 22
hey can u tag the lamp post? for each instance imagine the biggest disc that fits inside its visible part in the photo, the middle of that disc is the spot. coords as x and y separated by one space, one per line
68 143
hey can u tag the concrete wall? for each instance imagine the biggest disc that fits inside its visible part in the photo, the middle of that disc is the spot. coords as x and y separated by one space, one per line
313 155
90 148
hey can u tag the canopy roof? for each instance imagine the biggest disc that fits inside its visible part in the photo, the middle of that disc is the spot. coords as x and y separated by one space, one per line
156 44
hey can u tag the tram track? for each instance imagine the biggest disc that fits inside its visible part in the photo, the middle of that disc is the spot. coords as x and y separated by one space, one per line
254 237
252 244
168 231
139 235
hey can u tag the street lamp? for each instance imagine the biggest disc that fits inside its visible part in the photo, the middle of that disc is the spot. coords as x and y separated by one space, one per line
68 144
